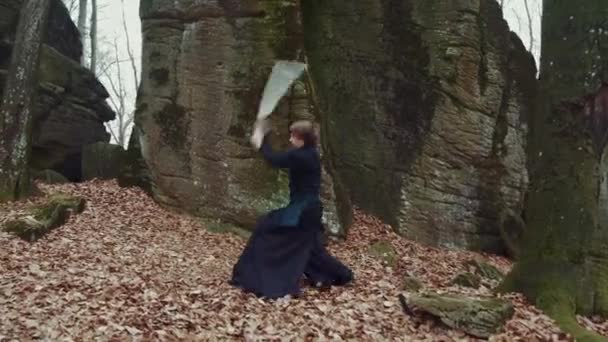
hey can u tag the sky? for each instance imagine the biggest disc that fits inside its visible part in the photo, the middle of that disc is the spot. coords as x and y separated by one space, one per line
111 27
514 12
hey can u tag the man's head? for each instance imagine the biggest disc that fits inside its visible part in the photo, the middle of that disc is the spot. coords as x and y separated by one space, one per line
303 133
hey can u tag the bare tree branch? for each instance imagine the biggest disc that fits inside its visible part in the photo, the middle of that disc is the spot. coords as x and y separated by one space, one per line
129 51
518 20
109 127
93 36
530 26
82 22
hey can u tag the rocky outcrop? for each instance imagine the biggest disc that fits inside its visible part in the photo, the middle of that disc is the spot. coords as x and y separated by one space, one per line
204 68
71 107
424 112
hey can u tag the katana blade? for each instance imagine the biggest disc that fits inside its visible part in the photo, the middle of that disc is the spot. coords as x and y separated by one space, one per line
283 74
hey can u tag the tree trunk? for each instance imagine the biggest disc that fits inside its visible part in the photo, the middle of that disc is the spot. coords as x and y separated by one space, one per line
18 100
82 21
563 267
93 35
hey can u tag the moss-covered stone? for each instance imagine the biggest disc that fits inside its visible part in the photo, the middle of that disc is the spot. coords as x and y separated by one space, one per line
384 251
485 270
467 280
43 218
411 284
174 124
477 317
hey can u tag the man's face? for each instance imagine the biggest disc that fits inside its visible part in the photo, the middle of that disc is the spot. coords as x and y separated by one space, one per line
295 141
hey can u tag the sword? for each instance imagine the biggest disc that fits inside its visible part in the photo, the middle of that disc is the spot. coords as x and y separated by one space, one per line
282 76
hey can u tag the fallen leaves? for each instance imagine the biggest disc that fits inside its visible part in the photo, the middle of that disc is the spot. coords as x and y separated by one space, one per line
127 269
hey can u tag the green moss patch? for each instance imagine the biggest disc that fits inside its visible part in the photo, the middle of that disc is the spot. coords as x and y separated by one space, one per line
384 251
411 284
485 270
467 280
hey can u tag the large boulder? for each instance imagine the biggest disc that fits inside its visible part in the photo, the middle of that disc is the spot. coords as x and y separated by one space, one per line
424 111
70 112
102 161
204 66
71 105
49 176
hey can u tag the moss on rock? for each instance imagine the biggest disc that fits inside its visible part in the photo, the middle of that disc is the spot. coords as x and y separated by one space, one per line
467 280
485 270
42 218
411 284
477 317
384 251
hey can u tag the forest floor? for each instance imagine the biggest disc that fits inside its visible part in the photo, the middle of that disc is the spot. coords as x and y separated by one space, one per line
127 269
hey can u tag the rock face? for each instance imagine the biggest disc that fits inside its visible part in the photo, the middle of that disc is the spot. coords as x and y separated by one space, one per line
205 65
71 108
424 112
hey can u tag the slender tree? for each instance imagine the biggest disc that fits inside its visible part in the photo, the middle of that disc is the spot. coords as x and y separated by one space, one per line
82 22
93 36
18 99
121 93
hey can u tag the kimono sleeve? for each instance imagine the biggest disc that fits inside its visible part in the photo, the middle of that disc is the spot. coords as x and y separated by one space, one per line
281 160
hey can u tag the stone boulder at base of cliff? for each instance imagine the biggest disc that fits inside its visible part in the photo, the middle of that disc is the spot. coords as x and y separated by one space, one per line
204 66
49 177
71 107
102 161
424 109
71 110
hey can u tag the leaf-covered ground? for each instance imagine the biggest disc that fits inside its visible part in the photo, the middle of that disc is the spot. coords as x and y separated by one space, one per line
126 269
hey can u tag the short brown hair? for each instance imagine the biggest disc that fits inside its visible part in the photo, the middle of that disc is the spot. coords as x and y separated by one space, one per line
305 130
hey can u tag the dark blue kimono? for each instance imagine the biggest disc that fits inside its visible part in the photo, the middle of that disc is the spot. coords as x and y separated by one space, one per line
287 242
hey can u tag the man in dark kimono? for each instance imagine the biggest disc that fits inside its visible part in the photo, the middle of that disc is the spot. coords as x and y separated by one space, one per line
287 242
